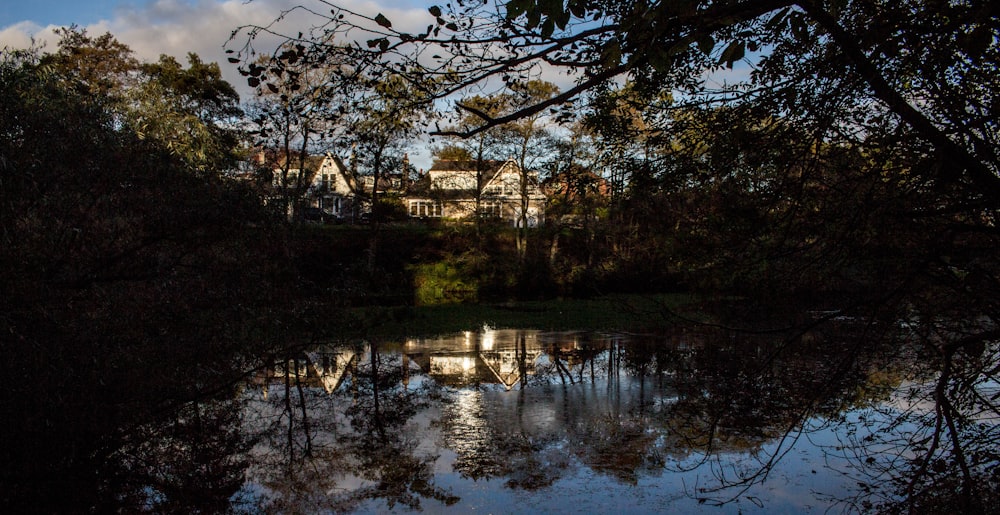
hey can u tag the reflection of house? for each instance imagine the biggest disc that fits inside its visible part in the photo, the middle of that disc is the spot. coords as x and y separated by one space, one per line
324 367
507 367
503 357
450 190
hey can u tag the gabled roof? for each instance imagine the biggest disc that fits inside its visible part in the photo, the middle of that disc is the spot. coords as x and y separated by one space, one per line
489 169
463 165
433 184
311 163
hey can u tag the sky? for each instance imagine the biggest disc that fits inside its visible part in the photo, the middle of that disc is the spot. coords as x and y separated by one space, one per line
174 27
150 28
58 12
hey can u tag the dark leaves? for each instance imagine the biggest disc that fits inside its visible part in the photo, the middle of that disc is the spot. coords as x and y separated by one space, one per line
706 44
734 52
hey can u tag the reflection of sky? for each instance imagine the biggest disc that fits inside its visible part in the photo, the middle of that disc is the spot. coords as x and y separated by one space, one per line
791 487
574 432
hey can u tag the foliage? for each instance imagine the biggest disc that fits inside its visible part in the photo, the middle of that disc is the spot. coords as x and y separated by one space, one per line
190 112
855 165
119 261
443 283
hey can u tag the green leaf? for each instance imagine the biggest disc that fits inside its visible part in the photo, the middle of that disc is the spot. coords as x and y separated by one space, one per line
516 8
434 10
383 21
611 55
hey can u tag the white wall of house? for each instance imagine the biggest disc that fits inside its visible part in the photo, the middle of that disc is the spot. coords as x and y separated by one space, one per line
501 196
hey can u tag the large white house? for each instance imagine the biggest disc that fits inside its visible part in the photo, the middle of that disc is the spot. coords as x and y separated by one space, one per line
453 189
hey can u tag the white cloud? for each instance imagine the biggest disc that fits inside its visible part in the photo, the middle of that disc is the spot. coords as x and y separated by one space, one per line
177 27
20 35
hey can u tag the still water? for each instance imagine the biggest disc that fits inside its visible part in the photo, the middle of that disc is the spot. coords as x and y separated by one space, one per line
519 421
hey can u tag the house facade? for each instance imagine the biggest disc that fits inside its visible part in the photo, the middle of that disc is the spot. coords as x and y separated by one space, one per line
460 190
452 189
323 183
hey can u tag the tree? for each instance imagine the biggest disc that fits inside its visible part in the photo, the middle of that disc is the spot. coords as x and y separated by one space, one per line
119 261
192 111
102 67
523 140
298 111
385 116
578 195
664 46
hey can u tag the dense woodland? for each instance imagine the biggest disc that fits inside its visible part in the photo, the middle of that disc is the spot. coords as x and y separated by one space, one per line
853 168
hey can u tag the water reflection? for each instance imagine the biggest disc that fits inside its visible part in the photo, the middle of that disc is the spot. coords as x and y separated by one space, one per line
840 413
696 416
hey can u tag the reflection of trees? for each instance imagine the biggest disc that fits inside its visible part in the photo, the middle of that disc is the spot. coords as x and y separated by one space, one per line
934 448
725 406
194 461
322 451
638 405
382 445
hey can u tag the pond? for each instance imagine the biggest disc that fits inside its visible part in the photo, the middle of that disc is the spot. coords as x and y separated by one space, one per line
515 421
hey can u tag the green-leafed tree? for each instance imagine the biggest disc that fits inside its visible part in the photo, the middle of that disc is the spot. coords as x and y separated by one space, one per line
191 111
523 139
299 111
482 150
120 260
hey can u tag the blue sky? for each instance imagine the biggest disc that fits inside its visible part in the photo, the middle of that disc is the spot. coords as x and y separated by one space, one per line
56 12
174 27
177 27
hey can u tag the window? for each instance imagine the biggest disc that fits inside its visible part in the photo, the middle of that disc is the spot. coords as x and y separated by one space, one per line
425 208
491 209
